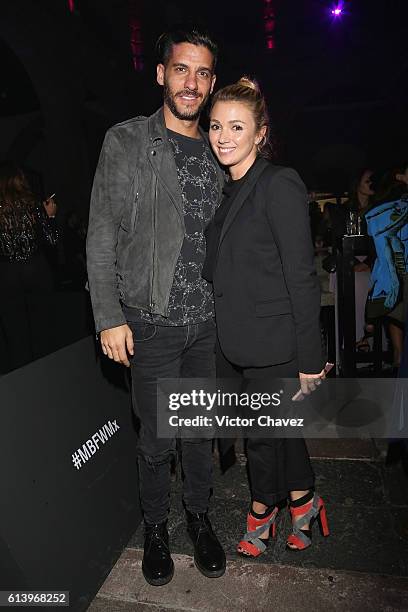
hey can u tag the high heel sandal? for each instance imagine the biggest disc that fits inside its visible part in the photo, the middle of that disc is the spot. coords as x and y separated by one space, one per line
305 511
251 544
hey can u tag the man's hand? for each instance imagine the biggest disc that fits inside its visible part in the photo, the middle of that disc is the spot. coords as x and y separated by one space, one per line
309 382
117 342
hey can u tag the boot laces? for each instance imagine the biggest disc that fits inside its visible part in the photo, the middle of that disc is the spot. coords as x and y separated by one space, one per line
156 536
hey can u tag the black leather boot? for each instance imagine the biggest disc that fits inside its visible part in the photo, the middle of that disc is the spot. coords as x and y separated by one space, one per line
209 556
157 564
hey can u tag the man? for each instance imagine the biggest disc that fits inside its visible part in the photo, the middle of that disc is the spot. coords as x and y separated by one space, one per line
156 188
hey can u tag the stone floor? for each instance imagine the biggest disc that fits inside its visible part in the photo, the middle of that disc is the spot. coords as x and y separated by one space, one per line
363 565
248 587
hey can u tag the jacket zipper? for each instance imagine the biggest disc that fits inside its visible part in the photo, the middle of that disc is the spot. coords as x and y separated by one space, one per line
154 245
134 212
135 199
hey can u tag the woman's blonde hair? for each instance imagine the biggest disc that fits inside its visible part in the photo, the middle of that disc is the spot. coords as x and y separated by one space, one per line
247 91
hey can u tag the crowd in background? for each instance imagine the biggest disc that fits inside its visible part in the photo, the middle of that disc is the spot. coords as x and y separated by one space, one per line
42 269
42 260
377 204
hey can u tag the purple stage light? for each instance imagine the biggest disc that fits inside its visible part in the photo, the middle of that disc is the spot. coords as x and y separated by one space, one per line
337 10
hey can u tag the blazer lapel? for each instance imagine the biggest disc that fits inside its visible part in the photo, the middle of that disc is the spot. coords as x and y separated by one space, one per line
242 195
221 176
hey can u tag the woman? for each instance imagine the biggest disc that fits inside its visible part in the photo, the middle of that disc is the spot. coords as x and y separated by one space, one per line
360 196
260 260
361 191
26 227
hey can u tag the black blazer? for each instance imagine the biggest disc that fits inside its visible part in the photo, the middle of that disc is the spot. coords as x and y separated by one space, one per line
267 296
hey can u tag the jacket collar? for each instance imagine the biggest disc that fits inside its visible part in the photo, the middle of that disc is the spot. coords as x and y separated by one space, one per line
259 166
158 130
162 159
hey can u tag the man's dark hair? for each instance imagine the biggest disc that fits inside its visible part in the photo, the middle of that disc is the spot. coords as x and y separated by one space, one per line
192 34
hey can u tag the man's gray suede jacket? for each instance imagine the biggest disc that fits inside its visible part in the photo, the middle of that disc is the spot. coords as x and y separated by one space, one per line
136 223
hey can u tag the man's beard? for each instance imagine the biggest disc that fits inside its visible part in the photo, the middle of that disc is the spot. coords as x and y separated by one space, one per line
186 115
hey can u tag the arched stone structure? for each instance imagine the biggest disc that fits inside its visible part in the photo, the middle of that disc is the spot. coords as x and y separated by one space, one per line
68 67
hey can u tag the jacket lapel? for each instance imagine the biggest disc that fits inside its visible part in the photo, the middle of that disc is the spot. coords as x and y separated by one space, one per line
162 159
242 195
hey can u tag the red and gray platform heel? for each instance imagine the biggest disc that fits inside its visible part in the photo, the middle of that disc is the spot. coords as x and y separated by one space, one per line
251 544
305 511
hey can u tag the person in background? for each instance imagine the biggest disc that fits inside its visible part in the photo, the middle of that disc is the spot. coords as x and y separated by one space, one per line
74 241
327 314
360 196
361 193
27 227
387 222
398 447
325 229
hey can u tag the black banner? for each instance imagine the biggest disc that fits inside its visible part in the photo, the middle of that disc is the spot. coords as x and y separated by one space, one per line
69 500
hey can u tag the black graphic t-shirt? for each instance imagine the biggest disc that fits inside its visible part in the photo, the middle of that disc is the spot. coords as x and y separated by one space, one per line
191 299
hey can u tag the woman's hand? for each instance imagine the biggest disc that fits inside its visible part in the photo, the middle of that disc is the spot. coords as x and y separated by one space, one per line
50 206
309 382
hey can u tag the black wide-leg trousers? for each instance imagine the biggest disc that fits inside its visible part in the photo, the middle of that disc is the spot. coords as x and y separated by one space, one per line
275 465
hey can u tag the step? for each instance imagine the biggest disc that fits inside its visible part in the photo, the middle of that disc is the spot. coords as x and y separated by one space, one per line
344 448
248 586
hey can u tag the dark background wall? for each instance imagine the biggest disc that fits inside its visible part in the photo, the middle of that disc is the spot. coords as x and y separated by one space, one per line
337 90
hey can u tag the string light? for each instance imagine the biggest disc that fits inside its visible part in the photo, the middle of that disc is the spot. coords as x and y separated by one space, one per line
269 24
136 43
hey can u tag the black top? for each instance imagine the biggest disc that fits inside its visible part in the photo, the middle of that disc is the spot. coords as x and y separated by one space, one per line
214 229
24 230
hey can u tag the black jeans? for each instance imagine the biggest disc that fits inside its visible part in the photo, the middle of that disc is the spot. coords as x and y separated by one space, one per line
170 352
275 465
